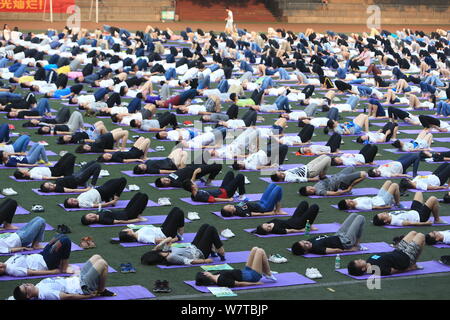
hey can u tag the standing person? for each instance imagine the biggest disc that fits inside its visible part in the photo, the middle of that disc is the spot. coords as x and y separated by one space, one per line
229 20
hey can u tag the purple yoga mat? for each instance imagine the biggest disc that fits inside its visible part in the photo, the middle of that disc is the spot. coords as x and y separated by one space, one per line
323 228
376 163
283 280
373 247
446 139
79 265
39 165
128 293
131 174
445 218
74 247
119 205
433 149
21 210
231 257
20 225
290 212
381 124
187 237
420 173
251 197
214 184
428 267
357 192
441 245
417 131
407 204
150 220
59 194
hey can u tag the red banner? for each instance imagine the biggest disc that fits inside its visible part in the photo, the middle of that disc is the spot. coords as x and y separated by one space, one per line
59 6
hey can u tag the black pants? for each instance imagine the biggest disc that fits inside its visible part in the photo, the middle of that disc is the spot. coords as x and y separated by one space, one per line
111 188
439 156
56 250
91 169
62 116
87 69
174 221
389 126
61 81
396 113
277 152
232 183
7 210
306 133
308 91
427 121
210 169
333 114
76 88
250 118
334 142
233 111
135 207
257 96
167 118
303 213
369 151
206 237
114 99
443 172
64 166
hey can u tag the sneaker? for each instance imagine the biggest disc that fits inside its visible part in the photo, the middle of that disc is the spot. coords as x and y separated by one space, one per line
193 216
164 202
133 187
401 206
270 278
104 173
227 233
160 148
48 164
242 198
83 163
165 287
309 273
362 248
246 181
157 286
124 268
317 274
37 208
9 192
107 293
41 161
276 258
131 269
180 237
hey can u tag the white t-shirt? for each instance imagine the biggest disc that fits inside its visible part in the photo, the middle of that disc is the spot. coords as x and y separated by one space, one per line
149 234
414 145
127 119
391 168
18 265
38 173
290 140
50 288
196 108
201 140
174 135
295 115
89 198
376 136
367 203
319 122
299 174
86 99
235 123
7 148
255 160
316 149
422 182
350 159
446 235
444 125
9 242
399 216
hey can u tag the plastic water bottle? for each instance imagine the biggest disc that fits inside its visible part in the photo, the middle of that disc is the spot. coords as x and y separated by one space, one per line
307 227
170 107
337 262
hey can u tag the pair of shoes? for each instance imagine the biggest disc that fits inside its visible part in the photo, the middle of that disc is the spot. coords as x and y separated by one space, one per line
188 123
162 286
41 161
87 243
242 198
193 216
127 268
104 173
313 273
133 187
106 293
164 202
62 228
270 278
9 192
246 181
227 233
37 208
276 258
160 148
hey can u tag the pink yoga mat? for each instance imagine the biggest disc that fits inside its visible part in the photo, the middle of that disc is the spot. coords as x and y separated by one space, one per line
120 204
323 228
22 224
150 220
231 257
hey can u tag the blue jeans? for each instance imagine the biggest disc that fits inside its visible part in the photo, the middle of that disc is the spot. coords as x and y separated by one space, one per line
36 152
43 106
282 103
4 62
245 66
170 74
425 87
255 47
364 91
214 67
56 250
267 82
434 80
32 232
271 196
223 86
205 83
443 108
4 132
21 144
10 96
283 74
356 81
408 159
353 101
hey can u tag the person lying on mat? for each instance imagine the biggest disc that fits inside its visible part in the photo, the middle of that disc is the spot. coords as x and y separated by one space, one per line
26 238
418 214
109 192
190 172
137 153
436 156
35 155
434 123
383 135
107 142
177 134
365 156
331 147
90 134
270 204
336 185
75 123
397 168
173 227
434 181
346 239
63 167
313 171
230 184
211 139
177 159
257 266
53 259
91 282
130 214
355 126
421 143
435 237
402 259
397 113
303 213
388 195
197 252
262 159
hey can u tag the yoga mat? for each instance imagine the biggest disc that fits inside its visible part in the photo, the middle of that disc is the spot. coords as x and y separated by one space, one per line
420 173
428 267
20 225
21 210
131 174
74 247
381 124
127 293
407 205
446 139
445 218
283 280
433 149
251 197
214 183
323 228
290 212
150 220
79 265
187 237
417 131
359 192
231 257
373 247
441 245
39 165
59 194
417 190
119 205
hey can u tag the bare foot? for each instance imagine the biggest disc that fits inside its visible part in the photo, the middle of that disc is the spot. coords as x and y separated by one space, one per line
439 221
142 219
281 213
9 227
314 229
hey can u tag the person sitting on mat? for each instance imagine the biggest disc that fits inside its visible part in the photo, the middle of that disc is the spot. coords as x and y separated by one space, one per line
109 192
190 172
303 213
130 214
346 239
257 266
91 282
388 195
421 143
32 234
270 204
434 181
63 167
54 259
8 209
383 135
230 184
397 168
365 156
418 214
173 227
138 152
197 252
402 259
313 171
344 180
435 237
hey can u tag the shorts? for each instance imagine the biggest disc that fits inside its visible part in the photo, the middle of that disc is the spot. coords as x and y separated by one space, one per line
386 196
422 209
357 130
411 249
250 275
277 127
89 278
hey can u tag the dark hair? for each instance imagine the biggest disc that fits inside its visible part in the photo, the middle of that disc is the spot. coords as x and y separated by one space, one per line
85 221
353 269
396 144
303 191
80 149
371 173
158 136
41 130
68 205
377 221
342 205
330 124
429 240
122 90
333 161
236 166
114 118
125 237
101 159
138 170
202 280
297 249
187 185
19 175
233 96
446 198
133 123
259 230
225 213
43 188
158 183
152 257
275 177
359 139
60 140
19 294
